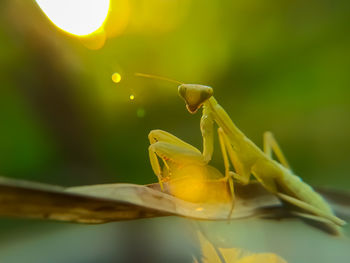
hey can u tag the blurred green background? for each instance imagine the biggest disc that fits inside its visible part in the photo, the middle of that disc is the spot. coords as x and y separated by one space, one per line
278 65
274 65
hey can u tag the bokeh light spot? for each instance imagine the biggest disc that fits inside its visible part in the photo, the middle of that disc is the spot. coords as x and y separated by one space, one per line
140 112
78 17
131 97
116 77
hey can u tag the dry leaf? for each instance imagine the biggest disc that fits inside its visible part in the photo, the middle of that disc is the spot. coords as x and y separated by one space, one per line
114 202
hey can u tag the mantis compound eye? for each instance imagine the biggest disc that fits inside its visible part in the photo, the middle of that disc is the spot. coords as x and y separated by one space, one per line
194 95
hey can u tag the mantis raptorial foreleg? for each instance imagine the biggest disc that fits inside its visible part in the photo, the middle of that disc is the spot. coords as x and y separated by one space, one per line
155 166
186 171
168 147
271 145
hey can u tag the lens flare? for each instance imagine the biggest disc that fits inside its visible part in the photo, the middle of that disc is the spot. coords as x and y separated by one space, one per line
77 17
116 77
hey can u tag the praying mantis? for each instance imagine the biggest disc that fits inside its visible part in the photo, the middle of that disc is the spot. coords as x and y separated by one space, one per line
187 172
238 150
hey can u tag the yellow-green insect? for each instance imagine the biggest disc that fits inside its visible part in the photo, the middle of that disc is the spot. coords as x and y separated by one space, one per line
188 174
247 159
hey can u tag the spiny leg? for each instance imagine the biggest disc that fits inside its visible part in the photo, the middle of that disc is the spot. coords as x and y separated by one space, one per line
242 175
177 154
313 217
155 136
155 165
228 174
224 153
163 136
168 147
309 208
271 145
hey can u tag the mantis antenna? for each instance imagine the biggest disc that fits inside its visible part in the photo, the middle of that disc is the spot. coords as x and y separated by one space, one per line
157 77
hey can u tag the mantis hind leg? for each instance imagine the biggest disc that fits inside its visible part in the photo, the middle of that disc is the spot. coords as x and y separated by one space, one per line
311 209
271 145
326 224
312 217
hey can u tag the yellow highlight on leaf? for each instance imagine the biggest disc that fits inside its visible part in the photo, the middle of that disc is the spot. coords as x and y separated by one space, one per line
196 184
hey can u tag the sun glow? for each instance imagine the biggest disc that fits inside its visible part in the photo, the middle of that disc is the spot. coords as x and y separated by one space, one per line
78 17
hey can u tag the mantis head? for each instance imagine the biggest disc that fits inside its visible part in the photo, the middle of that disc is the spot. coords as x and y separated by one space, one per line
194 95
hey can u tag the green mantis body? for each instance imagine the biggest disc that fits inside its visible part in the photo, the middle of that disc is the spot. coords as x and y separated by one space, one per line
246 158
